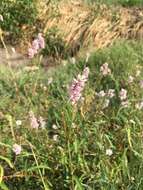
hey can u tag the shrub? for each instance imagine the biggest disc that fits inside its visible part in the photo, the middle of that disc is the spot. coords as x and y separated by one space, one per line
17 14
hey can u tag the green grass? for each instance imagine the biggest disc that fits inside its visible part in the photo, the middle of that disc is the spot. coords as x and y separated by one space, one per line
77 160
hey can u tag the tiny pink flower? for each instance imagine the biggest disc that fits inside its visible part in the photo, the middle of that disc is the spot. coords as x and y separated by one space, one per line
111 93
35 46
104 69
123 94
33 121
16 149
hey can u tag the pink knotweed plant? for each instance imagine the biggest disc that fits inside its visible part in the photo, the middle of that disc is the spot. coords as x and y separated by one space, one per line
37 44
33 120
77 86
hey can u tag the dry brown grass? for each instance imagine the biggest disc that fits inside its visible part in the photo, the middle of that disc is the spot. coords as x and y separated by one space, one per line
100 26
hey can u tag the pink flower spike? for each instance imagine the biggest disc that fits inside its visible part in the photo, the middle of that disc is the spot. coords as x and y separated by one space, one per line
16 149
77 86
35 46
41 41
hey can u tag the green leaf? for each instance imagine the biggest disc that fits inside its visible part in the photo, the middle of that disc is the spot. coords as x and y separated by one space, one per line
7 161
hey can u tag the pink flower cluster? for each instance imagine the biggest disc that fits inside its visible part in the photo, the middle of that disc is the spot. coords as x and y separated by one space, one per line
36 123
77 86
108 95
37 44
123 98
105 70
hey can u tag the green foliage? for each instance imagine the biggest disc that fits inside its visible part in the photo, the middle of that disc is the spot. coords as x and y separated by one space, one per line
16 14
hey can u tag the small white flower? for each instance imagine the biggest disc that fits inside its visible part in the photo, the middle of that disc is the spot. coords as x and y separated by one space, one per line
50 80
73 125
123 94
42 122
109 152
18 122
54 126
111 93
73 60
101 93
125 104
130 79
55 137
16 149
